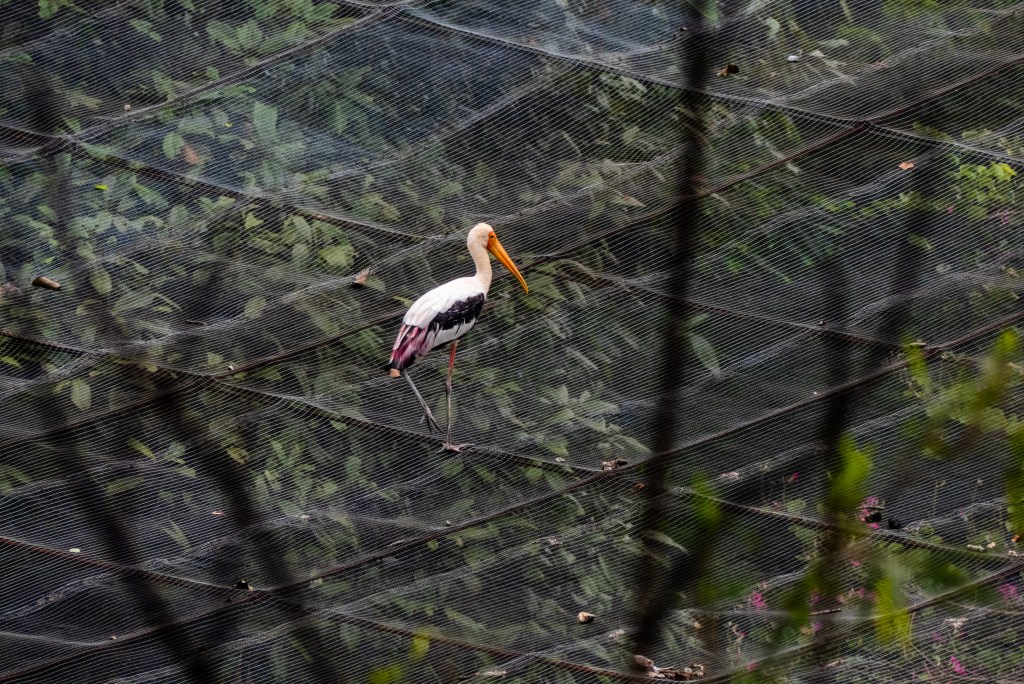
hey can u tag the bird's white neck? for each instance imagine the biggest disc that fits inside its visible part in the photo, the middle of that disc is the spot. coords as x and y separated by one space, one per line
483 264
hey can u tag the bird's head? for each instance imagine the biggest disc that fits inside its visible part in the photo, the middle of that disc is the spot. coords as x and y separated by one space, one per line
483 235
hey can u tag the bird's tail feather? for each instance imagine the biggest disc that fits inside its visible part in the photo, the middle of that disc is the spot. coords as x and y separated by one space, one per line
412 342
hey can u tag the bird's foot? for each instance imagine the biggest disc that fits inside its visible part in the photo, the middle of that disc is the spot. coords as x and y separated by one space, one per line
454 448
432 424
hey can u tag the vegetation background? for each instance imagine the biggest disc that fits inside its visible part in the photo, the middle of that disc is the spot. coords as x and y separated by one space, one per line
785 447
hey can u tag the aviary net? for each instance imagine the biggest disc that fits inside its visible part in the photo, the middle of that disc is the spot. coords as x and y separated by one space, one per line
206 474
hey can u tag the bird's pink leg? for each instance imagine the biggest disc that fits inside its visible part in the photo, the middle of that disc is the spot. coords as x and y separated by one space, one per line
448 446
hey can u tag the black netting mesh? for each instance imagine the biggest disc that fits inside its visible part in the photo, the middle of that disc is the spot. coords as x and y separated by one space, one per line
206 475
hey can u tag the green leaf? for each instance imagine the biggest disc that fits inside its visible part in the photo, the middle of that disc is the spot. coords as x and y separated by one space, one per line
48 8
146 27
663 538
124 484
847 489
463 620
173 142
419 647
81 395
100 280
300 225
893 622
252 220
223 34
560 417
326 489
533 474
238 454
249 35
254 307
133 300
707 8
705 353
386 675
141 448
705 505
10 475
177 534
558 446
338 255
300 250
1015 480
625 200
264 118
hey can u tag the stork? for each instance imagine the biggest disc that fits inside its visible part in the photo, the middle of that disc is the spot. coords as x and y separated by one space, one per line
445 314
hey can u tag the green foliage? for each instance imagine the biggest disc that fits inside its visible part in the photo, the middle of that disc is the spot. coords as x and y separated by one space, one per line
847 487
972 401
909 8
81 394
984 187
703 349
389 674
894 623
146 28
1015 480
48 9
11 477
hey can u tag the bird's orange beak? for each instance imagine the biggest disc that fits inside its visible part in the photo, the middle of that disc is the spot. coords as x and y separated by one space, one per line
495 248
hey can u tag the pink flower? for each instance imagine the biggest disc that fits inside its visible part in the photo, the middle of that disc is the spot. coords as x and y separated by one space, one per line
1007 591
757 600
815 626
957 667
751 667
949 210
867 507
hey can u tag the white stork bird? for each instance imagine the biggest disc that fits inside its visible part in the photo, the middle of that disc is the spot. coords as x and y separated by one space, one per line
445 314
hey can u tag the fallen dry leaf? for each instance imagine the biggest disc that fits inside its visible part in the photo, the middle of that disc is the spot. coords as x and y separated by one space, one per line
361 277
728 69
190 155
906 166
679 674
613 465
584 617
46 283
